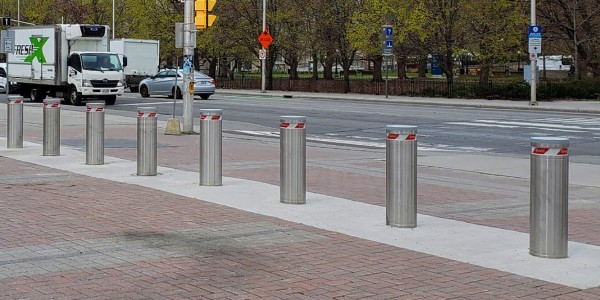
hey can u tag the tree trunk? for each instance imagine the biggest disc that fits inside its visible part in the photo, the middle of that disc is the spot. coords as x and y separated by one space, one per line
315 71
212 67
422 66
484 74
328 68
401 61
377 65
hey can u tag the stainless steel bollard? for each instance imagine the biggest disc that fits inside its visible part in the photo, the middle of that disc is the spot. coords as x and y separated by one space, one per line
51 144
15 122
211 144
549 197
401 176
292 157
146 141
94 142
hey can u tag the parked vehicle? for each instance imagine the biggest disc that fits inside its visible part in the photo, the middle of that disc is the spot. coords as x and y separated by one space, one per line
142 59
70 61
3 79
163 83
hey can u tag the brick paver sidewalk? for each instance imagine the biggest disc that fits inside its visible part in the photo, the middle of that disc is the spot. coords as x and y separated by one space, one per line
68 236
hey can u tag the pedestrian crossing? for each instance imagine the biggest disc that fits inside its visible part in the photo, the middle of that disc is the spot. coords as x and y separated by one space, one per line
567 125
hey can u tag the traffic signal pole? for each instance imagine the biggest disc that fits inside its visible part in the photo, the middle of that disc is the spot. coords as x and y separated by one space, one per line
264 61
188 67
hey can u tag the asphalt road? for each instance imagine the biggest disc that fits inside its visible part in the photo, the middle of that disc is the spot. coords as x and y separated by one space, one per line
362 124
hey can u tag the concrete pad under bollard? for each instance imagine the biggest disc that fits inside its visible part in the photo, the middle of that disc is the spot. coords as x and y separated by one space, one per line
173 127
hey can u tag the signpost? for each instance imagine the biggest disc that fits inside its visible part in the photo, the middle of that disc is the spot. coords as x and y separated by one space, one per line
265 40
535 48
387 50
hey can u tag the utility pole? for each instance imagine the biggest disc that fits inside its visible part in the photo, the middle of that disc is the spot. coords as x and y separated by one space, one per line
264 61
113 19
533 59
188 66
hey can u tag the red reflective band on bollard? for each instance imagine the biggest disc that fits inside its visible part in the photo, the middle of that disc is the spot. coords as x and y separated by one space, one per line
99 109
18 102
213 118
293 126
406 137
550 152
392 136
150 115
54 105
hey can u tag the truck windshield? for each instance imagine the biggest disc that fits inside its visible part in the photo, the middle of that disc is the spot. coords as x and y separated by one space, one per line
101 62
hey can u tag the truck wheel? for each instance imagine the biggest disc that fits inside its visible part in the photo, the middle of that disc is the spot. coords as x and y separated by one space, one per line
133 89
74 97
38 95
110 100
144 91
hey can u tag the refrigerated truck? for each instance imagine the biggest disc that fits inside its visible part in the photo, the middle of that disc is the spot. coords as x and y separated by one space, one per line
143 59
69 61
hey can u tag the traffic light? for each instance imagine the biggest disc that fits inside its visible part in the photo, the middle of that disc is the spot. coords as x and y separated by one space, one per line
203 19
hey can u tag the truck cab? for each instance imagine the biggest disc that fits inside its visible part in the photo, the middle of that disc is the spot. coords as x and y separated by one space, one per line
95 75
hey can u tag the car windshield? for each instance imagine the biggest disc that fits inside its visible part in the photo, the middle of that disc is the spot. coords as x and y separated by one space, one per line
101 62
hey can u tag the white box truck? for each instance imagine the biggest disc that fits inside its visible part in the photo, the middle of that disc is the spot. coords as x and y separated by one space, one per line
143 59
69 61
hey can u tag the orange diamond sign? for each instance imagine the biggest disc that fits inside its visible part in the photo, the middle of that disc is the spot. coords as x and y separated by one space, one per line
265 39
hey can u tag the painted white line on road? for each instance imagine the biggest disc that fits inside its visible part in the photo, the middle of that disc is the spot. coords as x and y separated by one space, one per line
381 145
544 125
147 103
481 125
484 246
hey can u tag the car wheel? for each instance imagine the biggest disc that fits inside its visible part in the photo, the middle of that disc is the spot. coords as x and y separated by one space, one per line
134 89
144 91
74 97
204 97
179 95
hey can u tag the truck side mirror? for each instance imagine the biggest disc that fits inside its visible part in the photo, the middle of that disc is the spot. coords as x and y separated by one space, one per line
124 61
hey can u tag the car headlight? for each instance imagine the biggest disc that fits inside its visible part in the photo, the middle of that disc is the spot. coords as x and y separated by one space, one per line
120 83
86 83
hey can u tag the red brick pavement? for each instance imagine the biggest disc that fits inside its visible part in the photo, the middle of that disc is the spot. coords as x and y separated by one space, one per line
326 265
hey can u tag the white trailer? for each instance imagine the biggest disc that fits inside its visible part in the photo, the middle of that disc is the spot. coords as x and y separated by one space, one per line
70 61
143 59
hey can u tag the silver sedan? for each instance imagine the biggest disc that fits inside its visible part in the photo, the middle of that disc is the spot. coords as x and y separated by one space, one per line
163 83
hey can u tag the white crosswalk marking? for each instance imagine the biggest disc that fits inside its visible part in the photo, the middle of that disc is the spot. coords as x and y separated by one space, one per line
572 125
360 141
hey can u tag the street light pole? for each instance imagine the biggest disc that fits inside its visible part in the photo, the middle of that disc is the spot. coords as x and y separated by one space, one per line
533 64
264 61
18 12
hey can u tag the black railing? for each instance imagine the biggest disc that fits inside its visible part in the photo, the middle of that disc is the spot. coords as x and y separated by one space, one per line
424 87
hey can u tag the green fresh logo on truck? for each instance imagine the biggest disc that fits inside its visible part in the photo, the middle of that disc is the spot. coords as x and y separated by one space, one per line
33 50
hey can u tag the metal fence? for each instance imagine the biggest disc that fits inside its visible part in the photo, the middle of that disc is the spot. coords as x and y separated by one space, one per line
425 87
